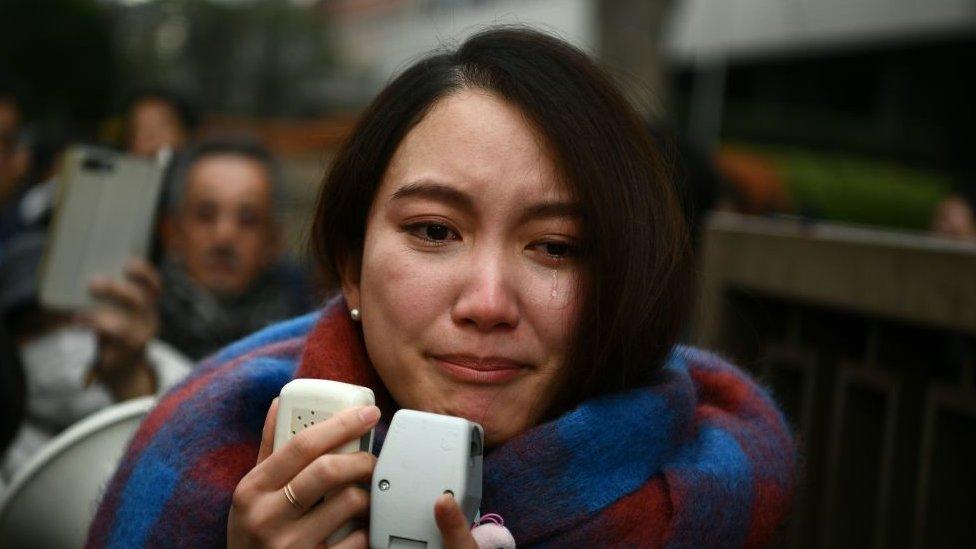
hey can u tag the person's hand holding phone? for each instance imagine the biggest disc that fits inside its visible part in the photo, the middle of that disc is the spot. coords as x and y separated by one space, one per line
278 502
125 320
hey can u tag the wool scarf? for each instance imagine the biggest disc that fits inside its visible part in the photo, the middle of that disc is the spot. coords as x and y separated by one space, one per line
700 458
199 322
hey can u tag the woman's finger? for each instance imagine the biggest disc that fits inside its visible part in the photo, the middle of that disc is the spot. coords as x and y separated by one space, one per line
454 526
335 512
355 540
328 473
268 432
303 448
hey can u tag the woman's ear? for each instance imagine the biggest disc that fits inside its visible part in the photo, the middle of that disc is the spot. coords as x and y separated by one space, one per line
349 272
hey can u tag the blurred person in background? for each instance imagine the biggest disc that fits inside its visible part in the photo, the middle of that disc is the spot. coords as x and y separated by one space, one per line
9 113
158 121
13 152
954 217
224 275
77 364
32 205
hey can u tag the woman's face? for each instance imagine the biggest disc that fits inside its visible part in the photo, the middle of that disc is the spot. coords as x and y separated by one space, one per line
469 281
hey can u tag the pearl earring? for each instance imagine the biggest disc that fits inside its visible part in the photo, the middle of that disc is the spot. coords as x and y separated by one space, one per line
355 314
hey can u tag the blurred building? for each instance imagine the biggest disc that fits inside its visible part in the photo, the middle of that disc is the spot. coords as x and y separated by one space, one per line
375 38
712 38
236 57
862 108
845 112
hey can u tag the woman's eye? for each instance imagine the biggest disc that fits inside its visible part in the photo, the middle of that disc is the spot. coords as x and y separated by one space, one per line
437 232
433 233
558 250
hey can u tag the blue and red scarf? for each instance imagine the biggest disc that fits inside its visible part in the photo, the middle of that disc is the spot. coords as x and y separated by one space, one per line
702 458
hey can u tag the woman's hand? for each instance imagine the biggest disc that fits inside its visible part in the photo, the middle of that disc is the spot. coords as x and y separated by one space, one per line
263 514
454 526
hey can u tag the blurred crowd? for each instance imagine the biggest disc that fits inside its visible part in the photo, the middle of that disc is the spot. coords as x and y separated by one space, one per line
217 271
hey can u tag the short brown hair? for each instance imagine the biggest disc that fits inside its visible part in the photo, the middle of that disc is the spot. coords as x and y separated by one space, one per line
635 247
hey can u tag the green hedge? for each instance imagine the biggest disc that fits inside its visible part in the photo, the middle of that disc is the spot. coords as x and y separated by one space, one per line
859 190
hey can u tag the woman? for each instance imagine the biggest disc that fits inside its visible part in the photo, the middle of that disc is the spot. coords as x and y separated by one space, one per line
510 252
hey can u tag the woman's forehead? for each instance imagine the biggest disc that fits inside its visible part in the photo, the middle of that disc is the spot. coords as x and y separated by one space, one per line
480 143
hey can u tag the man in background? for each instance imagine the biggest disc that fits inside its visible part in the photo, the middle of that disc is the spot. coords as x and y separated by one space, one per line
69 365
223 273
158 121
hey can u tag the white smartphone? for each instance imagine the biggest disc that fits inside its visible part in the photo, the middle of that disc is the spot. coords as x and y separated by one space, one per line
103 216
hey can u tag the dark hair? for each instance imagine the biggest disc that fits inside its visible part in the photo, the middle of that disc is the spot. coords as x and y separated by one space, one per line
242 146
636 245
181 105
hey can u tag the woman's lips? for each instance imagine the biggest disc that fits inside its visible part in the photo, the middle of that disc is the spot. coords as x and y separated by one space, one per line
479 370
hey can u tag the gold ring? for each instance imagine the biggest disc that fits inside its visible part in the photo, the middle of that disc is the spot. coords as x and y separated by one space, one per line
290 496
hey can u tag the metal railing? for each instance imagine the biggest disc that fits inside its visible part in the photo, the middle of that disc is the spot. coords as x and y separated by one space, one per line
867 339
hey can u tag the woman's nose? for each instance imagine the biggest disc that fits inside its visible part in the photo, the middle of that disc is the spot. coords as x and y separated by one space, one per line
487 300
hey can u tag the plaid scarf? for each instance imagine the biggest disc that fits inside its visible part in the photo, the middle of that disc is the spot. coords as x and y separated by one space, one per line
199 322
702 458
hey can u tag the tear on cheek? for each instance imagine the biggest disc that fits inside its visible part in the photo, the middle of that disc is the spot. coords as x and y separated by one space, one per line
563 291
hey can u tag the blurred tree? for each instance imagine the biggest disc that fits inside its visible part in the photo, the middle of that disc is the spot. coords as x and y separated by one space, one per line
255 58
58 57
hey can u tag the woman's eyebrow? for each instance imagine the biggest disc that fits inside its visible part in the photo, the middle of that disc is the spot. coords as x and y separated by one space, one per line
449 195
544 210
435 191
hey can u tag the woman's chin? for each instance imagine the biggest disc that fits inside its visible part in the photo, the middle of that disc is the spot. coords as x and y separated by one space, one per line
499 410
498 426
